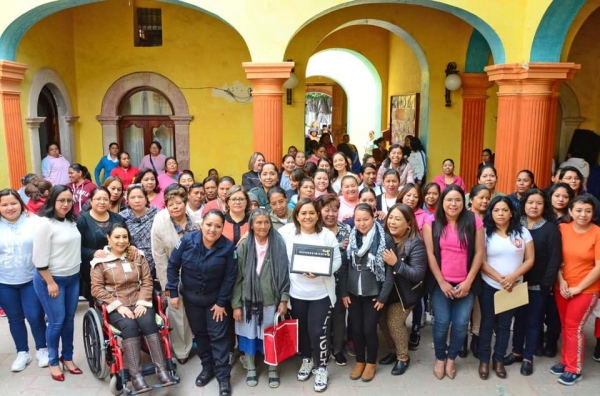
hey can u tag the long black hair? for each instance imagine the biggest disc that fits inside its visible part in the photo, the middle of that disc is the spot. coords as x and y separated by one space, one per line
547 214
49 208
514 225
465 223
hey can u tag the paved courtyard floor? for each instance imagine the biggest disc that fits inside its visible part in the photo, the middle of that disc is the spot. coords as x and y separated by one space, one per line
418 380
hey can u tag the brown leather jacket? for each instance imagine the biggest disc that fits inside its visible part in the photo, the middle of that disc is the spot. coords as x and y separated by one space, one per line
115 287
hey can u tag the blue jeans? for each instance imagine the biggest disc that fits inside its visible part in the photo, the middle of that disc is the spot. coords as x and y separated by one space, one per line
60 312
488 320
20 302
529 319
456 312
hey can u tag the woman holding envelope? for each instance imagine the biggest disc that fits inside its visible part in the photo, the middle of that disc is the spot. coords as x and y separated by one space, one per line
510 255
578 284
312 296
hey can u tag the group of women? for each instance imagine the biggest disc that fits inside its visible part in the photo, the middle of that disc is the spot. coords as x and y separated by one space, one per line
221 251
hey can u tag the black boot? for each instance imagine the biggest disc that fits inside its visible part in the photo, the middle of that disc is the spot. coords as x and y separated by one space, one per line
551 348
475 345
224 388
414 340
158 358
133 363
596 354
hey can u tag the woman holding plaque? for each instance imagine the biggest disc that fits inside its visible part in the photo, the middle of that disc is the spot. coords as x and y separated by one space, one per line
510 255
365 284
310 293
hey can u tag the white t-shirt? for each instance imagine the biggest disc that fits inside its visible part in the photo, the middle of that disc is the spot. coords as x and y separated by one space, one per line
505 255
301 287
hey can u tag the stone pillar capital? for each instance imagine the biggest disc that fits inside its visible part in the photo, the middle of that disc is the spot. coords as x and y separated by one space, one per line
267 78
34 122
538 78
181 120
573 121
108 120
475 85
71 119
11 75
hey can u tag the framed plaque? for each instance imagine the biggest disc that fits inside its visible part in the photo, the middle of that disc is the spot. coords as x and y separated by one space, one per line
317 260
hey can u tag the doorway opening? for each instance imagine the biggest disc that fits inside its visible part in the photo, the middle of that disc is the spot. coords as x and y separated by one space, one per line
49 129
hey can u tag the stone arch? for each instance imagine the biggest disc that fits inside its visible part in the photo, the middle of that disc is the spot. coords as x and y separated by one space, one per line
66 119
421 59
571 118
109 117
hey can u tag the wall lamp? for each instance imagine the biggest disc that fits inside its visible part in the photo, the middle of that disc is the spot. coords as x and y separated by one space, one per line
453 81
290 84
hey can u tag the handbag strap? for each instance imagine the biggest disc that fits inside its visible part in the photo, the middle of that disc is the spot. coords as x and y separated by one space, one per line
152 163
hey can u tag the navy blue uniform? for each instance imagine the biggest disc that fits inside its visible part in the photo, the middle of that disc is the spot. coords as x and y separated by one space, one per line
207 278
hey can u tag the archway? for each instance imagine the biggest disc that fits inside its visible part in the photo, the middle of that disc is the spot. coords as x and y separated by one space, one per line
109 118
423 65
48 80
362 85
571 119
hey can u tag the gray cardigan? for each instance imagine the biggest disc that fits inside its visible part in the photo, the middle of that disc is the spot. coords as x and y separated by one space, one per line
349 279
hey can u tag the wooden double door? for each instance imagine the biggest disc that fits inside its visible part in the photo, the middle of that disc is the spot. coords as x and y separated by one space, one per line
137 132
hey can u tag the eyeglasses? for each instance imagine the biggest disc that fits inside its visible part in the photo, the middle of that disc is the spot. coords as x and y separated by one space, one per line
101 199
571 178
237 200
64 201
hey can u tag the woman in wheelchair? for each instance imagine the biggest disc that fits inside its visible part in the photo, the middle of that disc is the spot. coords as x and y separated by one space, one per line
124 284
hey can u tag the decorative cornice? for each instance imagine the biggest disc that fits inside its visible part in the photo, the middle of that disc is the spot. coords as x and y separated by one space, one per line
34 122
11 75
108 120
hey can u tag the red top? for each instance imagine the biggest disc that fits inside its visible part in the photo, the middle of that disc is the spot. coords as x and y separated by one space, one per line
127 175
34 207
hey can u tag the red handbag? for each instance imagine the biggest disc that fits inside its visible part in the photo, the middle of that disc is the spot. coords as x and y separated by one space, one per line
280 341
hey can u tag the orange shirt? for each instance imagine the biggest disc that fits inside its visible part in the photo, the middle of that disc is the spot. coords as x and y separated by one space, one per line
580 251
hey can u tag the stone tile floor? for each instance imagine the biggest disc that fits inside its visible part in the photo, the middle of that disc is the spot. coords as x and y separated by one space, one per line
418 380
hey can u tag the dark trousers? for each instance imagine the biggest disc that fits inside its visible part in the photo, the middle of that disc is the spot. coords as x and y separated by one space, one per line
313 328
488 320
553 324
417 314
212 337
338 325
364 319
529 319
131 328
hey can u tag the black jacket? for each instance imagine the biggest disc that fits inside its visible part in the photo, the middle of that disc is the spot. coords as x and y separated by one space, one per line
547 244
208 273
409 273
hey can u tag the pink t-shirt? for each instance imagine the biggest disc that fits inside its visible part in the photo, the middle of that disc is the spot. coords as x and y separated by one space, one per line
441 181
346 208
421 215
453 256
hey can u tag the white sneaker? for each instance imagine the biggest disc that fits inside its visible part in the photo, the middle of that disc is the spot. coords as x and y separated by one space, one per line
305 369
231 358
321 377
22 360
42 357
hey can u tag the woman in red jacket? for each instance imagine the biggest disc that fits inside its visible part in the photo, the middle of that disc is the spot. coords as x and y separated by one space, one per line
125 171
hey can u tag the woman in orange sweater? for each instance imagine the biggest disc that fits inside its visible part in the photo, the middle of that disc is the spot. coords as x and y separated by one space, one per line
578 285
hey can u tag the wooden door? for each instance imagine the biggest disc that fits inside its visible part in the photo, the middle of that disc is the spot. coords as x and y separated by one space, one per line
137 132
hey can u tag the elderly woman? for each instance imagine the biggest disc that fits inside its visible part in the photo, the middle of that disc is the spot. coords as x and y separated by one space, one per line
168 227
155 160
204 262
261 290
123 282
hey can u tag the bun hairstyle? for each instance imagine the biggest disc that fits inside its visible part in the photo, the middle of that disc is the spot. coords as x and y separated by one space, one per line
36 190
81 169
28 178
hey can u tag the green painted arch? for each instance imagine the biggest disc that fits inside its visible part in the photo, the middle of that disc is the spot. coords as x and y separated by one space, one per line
490 35
478 53
345 83
11 37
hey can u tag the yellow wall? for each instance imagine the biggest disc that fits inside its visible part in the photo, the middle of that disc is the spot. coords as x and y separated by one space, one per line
49 43
491 114
198 51
586 83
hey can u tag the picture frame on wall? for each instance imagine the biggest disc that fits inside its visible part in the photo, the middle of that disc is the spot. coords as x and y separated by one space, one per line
404 116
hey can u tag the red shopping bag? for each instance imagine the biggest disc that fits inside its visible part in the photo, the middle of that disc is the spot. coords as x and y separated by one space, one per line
280 341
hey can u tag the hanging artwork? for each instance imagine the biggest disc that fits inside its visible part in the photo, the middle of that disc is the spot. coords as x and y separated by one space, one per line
404 116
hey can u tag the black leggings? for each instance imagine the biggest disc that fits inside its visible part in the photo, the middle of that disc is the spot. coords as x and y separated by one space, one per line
313 328
131 328
363 319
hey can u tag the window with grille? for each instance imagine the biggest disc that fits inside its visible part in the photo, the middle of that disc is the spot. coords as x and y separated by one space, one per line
149 27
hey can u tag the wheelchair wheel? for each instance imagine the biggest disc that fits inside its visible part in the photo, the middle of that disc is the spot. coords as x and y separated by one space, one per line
116 384
93 343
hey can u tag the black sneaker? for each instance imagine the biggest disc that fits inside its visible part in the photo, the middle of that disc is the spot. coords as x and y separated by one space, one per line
596 355
340 359
414 340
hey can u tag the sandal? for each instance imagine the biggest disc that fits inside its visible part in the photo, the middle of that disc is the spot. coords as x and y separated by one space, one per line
273 379
251 378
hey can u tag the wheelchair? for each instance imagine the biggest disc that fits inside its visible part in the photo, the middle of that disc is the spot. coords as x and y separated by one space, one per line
103 351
